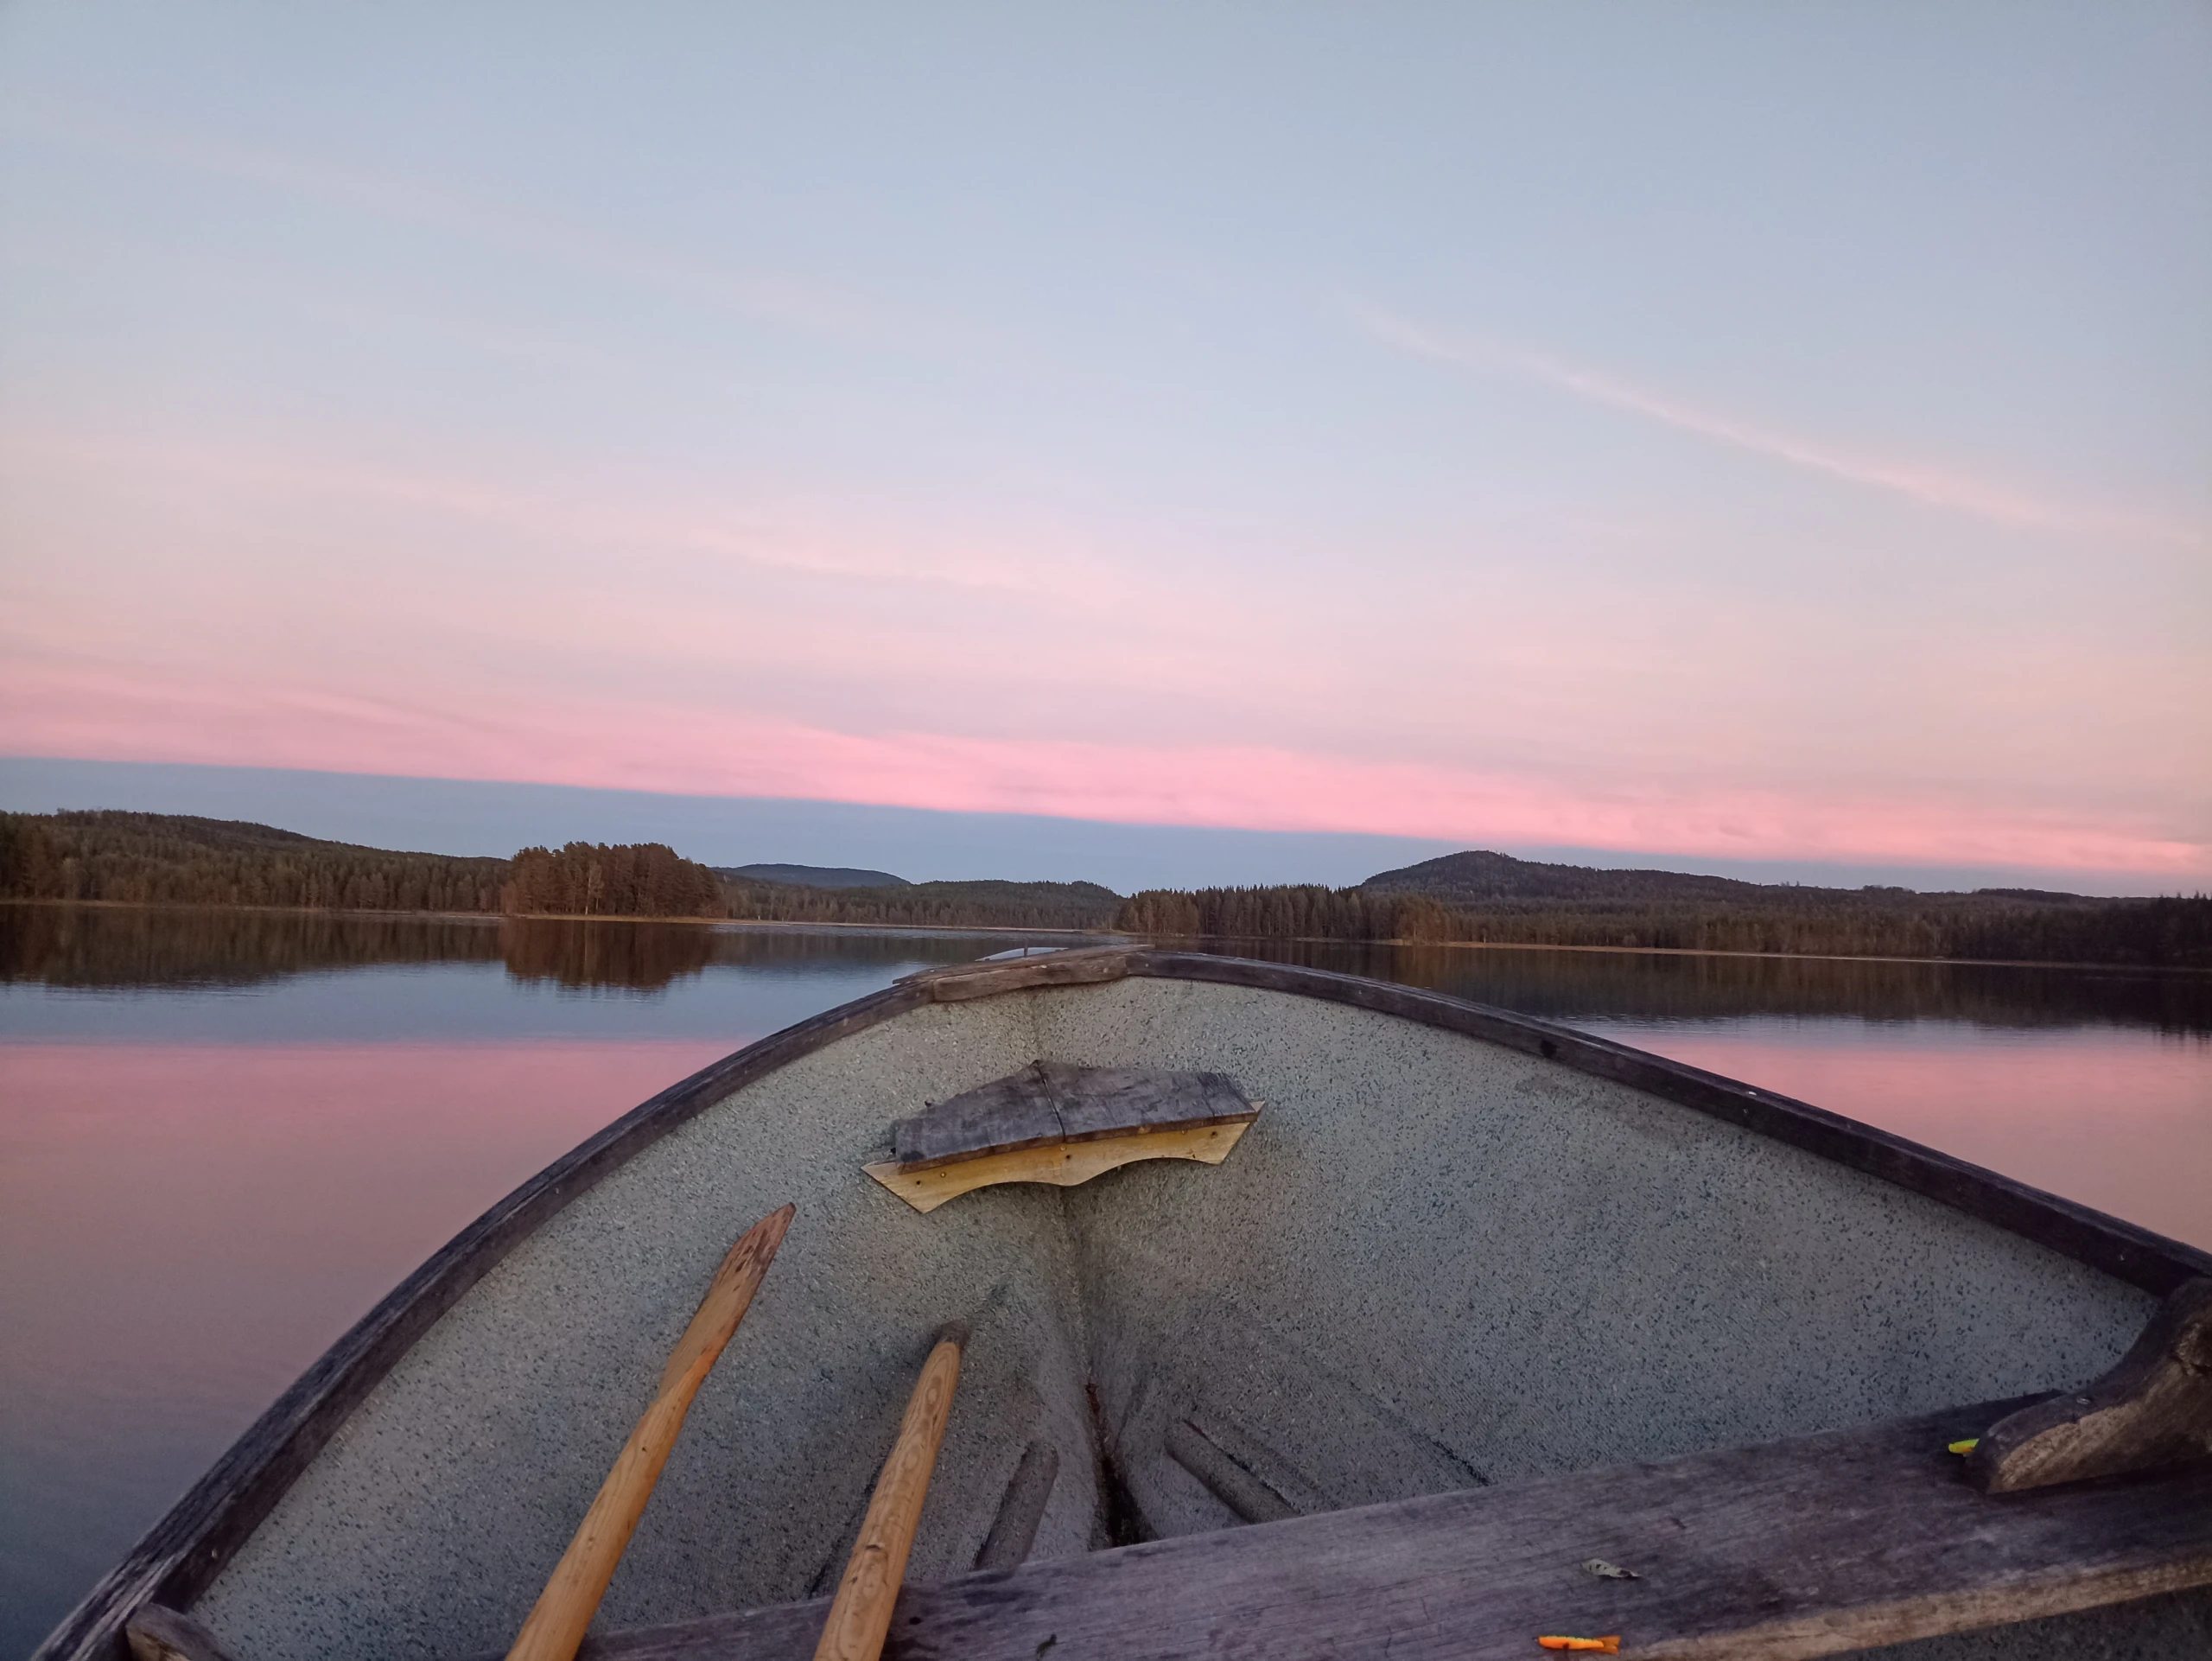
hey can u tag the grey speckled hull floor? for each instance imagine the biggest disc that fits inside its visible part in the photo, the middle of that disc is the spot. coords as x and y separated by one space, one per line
1433 1263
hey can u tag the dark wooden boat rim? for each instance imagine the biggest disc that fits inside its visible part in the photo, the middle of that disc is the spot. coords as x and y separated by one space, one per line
184 1552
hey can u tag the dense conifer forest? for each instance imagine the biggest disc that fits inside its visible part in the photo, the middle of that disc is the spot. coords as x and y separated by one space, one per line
165 859
158 859
593 878
168 859
2172 932
932 905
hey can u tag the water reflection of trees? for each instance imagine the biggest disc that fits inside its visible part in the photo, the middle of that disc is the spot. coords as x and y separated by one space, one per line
648 956
1570 986
122 947
125 947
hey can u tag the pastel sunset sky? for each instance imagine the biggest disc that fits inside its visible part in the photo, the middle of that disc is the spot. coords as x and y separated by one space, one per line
1693 434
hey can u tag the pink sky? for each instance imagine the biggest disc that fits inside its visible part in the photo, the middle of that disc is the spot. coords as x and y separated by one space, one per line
1781 491
519 630
681 750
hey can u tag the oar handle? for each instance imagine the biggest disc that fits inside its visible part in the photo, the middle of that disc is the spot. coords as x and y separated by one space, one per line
562 1615
860 1615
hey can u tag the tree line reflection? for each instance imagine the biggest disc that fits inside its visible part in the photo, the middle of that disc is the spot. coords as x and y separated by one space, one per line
125 947
122 948
1568 985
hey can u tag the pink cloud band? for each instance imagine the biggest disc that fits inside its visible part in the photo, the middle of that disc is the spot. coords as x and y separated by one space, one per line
99 713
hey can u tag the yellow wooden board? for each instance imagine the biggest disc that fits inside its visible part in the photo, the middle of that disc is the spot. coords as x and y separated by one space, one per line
1065 1164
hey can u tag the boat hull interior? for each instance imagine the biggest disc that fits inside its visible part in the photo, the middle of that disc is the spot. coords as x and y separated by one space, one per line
1435 1262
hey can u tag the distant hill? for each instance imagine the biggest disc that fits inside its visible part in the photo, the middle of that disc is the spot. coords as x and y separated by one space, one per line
1476 897
168 859
1481 897
811 876
175 859
1481 877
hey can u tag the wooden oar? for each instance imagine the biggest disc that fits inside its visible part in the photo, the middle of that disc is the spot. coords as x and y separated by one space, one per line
556 1625
860 1614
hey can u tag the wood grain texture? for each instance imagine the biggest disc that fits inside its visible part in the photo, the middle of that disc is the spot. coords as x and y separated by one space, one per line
1080 966
1107 1101
2154 1408
1065 1165
1051 1101
156 1633
182 1553
1019 1110
860 1613
1808 1548
557 1622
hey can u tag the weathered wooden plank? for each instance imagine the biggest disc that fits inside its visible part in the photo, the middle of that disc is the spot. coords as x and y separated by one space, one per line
2154 1408
1110 1101
1021 1510
1051 1101
1019 1110
1808 1548
1063 1164
1082 966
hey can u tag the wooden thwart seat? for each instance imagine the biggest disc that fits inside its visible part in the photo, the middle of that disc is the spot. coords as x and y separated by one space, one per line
1061 1124
1832 1542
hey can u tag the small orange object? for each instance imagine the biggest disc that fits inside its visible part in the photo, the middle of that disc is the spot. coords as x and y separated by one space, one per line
1595 1645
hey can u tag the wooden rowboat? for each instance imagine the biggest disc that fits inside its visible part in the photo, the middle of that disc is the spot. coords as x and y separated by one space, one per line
1478 1311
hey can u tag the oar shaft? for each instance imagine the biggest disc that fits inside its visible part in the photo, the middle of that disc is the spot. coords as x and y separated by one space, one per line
860 1615
562 1615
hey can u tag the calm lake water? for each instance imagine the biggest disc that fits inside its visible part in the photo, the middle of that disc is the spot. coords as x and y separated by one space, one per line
223 1137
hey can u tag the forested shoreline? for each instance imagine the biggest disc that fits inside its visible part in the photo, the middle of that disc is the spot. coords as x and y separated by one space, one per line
174 860
106 858
1462 900
2172 932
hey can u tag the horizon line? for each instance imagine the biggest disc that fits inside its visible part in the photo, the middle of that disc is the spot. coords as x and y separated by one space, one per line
1838 876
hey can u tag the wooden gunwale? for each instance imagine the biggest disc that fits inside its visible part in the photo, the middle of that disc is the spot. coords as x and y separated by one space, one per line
2121 1249
183 1553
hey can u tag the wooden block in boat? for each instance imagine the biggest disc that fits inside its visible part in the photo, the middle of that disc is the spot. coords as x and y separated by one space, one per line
2154 1408
1107 1101
1015 1111
1846 1540
1065 1165
1050 1101
1078 966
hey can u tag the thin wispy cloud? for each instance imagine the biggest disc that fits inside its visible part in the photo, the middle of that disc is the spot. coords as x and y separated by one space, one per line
1932 486
771 297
